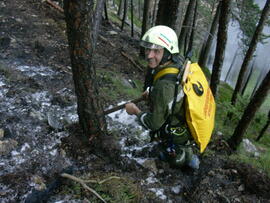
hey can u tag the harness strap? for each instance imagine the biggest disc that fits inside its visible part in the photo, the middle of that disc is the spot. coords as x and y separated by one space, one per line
166 71
175 74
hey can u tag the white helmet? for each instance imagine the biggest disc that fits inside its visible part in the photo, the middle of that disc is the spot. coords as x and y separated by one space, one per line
161 37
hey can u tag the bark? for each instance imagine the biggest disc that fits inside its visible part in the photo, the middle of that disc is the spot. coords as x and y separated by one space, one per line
221 45
231 66
251 50
124 15
79 29
167 12
258 81
264 128
120 8
153 15
132 24
105 11
206 48
179 17
191 39
248 78
96 21
249 113
145 23
186 24
139 9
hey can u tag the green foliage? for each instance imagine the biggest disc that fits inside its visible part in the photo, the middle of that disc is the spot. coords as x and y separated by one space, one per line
116 19
262 161
113 86
224 93
248 18
114 190
224 107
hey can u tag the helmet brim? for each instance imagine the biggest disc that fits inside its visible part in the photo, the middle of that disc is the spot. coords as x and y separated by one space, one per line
150 45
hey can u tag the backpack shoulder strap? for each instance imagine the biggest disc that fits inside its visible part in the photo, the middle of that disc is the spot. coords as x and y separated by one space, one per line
166 71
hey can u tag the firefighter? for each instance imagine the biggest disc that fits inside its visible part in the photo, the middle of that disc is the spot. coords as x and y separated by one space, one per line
166 119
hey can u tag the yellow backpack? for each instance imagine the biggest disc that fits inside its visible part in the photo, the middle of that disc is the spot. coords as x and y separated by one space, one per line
200 105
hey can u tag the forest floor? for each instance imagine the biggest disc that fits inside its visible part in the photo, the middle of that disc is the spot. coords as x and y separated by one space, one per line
33 34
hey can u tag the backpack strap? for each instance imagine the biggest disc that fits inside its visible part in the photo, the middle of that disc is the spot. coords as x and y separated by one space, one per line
166 71
177 83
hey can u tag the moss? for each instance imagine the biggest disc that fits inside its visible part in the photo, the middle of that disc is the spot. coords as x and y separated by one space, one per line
112 87
262 162
114 190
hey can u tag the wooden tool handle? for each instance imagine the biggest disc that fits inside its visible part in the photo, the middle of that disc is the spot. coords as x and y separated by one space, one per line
135 101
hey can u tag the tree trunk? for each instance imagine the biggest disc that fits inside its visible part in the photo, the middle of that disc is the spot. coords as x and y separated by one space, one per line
248 78
145 23
191 39
153 12
264 128
105 11
249 112
258 81
139 9
120 8
96 21
186 24
167 12
231 66
221 45
124 15
179 17
251 50
206 48
132 23
79 32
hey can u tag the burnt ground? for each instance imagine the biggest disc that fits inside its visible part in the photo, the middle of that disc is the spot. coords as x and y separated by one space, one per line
33 33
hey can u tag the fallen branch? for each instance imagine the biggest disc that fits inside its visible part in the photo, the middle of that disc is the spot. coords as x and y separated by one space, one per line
106 40
55 6
83 183
65 175
103 181
131 60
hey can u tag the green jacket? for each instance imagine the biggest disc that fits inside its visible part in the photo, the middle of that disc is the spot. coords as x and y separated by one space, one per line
161 97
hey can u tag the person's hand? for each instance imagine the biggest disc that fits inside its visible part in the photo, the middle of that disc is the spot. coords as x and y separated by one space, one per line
145 94
132 109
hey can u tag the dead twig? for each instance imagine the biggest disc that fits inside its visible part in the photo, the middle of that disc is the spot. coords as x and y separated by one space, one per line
83 183
102 181
54 6
65 175
131 60
106 40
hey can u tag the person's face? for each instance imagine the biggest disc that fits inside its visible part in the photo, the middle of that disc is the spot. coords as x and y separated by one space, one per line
154 57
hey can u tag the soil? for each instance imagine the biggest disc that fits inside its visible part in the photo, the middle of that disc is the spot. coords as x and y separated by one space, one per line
33 33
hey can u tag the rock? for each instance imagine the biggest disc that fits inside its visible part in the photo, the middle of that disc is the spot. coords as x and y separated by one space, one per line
219 134
38 182
3 192
241 188
53 121
36 114
126 83
1 133
7 146
176 189
250 148
112 32
151 165
2 5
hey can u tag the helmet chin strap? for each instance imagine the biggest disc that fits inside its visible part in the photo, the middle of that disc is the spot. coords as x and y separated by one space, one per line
166 57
